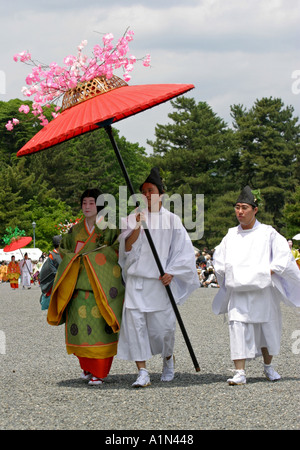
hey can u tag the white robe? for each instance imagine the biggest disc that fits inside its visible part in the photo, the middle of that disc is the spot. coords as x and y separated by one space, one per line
243 263
26 270
140 270
248 292
144 291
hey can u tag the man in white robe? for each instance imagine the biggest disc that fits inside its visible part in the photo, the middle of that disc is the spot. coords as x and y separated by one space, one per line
26 271
256 271
148 323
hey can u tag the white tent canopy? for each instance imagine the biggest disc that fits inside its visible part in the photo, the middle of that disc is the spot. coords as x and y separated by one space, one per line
33 254
297 237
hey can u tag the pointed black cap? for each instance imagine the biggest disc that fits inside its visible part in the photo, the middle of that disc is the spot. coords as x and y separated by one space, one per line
154 178
246 196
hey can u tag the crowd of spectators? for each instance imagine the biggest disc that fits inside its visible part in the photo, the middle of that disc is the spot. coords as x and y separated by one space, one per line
205 269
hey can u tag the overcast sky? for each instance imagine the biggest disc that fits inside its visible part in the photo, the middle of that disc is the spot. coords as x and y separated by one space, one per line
233 51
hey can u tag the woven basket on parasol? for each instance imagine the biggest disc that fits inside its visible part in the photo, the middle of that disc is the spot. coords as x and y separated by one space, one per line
88 89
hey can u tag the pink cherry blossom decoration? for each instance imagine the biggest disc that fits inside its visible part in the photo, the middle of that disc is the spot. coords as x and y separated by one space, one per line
9 126
47 84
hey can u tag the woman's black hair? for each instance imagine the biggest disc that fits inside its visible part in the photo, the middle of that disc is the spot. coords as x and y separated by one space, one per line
95 193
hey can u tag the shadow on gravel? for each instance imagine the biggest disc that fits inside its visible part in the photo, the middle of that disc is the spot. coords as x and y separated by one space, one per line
124 381
263 379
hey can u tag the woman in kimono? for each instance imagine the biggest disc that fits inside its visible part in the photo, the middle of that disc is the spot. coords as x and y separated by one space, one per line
3 272
88 293
13 273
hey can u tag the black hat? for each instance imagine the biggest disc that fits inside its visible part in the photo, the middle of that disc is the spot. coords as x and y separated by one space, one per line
246 196
154 178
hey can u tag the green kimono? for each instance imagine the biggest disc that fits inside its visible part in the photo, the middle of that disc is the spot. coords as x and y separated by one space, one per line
88 292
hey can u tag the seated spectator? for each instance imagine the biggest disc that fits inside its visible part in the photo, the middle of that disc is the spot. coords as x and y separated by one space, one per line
200 258
202 272
208 260
211 280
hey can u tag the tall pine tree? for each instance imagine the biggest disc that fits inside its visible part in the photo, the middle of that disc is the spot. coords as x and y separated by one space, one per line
268 137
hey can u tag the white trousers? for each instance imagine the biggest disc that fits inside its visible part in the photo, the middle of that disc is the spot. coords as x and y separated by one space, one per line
144 334
25 279
247 339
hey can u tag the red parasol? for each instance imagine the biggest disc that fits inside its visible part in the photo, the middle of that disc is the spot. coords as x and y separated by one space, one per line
17 243
98 104
86 115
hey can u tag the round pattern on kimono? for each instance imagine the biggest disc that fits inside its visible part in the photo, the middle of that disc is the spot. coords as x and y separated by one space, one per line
74 329
82 311
113 292
116 271
100 259
95 312
89 330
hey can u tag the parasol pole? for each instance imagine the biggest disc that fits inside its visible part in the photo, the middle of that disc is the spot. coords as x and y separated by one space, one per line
108 129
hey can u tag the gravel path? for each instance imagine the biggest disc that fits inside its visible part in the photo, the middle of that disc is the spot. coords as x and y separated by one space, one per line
41 389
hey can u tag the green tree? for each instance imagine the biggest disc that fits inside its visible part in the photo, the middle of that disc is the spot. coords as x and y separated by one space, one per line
88 161
12 141
26 197
197 154
291 214
11 206
47 216
197 151
268 137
